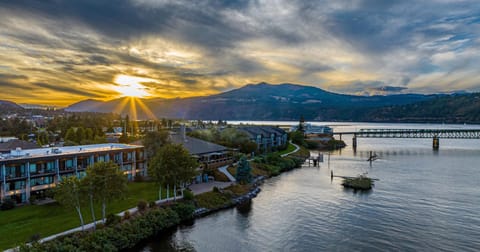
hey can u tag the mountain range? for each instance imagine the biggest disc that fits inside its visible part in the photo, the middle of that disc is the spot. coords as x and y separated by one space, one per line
265 101
261 101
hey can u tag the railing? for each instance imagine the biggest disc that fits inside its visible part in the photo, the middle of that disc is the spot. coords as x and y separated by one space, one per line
416 133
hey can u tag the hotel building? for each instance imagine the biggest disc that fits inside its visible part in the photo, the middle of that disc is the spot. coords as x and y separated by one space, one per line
24 173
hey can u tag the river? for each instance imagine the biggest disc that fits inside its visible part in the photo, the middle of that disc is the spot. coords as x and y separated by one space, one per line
424 200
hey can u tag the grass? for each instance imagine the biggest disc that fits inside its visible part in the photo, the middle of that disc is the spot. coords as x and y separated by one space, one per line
239 189
290 148
219 176
19 224
212 200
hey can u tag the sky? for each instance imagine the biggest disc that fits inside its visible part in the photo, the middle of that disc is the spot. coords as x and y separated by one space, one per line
62 51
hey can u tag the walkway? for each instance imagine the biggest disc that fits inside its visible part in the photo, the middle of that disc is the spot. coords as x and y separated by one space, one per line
224 170
296 149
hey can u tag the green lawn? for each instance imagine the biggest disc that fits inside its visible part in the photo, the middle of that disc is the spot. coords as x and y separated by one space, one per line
19 224
290 148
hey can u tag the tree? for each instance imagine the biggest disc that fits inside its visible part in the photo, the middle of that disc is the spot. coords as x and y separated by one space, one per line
243 171
80 135
297 137
301 124
248 147
89 134
68 194
172 165
70 135
153 141
107 182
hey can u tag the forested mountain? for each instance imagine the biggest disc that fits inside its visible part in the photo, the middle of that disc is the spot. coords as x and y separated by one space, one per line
253 102
459 108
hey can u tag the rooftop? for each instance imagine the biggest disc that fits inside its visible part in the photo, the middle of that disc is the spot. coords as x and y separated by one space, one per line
59 151
196 146
13 144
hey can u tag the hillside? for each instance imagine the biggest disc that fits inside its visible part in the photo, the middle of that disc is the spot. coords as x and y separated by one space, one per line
254 102
458 108
10 107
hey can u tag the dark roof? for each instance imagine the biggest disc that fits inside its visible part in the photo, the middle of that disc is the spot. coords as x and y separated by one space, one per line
265 131
196 146
14 144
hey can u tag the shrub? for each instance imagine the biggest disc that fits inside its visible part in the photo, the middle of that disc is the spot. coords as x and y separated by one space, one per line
34 238
139 178
311 144
142 205
8 204
152 204
112 220
126 215
188 195
215 189
32 199
115 238
184 210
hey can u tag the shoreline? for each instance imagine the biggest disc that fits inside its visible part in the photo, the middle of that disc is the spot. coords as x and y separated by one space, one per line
198 212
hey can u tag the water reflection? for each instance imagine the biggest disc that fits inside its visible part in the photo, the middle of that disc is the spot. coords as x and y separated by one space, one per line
245 208
423 201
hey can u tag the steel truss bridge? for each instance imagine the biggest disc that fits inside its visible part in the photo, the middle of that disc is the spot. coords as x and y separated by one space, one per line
435 134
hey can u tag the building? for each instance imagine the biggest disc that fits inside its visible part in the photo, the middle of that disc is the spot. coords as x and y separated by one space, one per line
6 147
266 137
208 154
310 129
24 173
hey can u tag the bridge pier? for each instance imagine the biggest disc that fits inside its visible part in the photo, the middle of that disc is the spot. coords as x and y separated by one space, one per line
354 143
436 143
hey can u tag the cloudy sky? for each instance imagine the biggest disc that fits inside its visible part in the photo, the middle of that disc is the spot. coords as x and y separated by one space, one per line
62 51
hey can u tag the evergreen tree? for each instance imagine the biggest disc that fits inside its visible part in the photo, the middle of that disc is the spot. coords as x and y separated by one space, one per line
244 171
70 135
89 134
80 135
301 124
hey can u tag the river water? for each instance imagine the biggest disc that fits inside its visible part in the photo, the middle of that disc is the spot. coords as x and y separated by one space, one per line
424 200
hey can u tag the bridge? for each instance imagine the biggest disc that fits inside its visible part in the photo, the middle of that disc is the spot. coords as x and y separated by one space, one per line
435 134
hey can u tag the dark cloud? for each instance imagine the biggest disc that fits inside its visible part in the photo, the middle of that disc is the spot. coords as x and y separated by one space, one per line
67 89
349 46
12 77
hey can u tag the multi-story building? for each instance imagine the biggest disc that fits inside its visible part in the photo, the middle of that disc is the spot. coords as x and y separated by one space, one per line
30 172
266 137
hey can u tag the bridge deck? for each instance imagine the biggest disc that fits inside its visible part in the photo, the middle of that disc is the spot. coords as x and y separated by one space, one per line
415 133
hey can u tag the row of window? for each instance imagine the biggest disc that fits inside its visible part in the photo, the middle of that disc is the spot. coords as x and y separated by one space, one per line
20 170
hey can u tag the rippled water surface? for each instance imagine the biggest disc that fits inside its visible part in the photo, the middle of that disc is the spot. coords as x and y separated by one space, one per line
423 201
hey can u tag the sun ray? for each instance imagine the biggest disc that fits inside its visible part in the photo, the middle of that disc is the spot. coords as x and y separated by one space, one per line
146 109
119 108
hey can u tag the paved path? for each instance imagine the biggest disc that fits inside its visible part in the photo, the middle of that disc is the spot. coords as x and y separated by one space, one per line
207 187
224 170
291 152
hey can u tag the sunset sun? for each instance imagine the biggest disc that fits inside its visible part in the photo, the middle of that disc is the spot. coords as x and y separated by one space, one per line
132 86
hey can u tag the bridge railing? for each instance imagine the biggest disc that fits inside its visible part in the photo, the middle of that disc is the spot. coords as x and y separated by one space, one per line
419 133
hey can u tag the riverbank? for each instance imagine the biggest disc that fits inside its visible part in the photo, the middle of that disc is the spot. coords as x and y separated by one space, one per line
201 205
